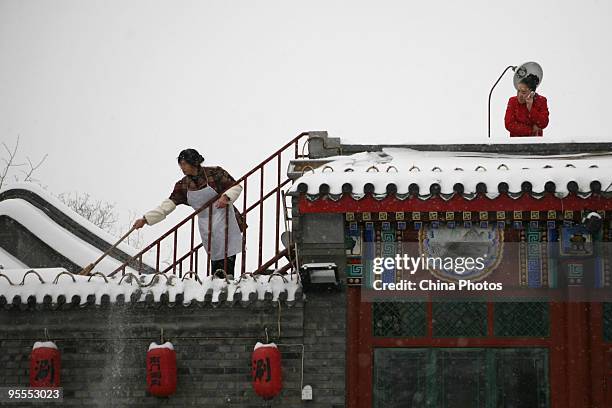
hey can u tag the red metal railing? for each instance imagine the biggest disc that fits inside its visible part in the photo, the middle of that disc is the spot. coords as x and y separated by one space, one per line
192 254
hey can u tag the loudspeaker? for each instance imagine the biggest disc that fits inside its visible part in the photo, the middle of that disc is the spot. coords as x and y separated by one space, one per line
525 69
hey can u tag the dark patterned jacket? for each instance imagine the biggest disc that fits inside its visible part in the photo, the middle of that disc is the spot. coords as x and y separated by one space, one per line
218 178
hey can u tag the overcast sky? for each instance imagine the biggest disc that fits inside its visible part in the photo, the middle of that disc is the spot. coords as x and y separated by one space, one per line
113 90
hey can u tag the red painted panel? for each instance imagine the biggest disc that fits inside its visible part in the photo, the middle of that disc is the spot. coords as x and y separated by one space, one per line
601 360
578 375
557 353
365 356
352 347
482 203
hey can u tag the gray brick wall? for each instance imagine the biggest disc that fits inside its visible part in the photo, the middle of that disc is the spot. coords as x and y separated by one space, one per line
103 351
325 344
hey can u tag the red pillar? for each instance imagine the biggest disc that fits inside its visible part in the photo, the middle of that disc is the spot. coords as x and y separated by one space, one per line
601 360
558 355
365 356
352 347
578 353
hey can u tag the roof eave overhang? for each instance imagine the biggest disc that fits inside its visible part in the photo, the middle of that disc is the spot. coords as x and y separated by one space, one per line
456 203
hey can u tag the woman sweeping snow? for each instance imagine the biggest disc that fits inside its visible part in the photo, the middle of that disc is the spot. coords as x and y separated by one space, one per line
199 185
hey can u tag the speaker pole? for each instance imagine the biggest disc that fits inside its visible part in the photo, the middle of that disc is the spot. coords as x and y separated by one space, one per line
491 92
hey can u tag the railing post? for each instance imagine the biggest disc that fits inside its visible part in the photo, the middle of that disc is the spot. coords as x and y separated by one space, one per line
157 258
196 260
261 215
226 238
174 252
278 183
208 245
191 245
244 234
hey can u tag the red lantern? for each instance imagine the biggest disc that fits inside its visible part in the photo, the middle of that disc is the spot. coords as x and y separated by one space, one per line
45 365
266 370
161 369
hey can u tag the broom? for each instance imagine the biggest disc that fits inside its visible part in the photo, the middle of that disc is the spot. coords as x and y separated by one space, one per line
89 268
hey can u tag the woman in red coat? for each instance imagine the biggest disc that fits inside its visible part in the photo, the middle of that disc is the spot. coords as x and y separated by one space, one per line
527 112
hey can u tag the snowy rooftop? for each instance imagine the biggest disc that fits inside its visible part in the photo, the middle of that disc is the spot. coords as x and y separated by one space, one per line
61 228
56 287
401 170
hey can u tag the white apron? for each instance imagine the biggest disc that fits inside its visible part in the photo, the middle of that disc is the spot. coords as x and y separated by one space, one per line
197 199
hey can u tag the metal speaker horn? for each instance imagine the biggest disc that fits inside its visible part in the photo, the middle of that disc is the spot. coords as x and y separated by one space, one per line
525 69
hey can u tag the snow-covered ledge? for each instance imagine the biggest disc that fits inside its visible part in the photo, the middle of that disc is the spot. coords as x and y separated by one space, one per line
404 167
56 286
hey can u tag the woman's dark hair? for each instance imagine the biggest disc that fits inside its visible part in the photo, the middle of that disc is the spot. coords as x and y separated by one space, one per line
532 81
191 156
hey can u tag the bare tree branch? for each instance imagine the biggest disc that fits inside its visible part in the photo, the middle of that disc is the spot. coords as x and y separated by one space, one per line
10 163
100 213
33 168
134 239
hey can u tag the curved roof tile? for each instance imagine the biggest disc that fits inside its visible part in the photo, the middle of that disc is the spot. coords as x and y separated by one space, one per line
401 171
56 286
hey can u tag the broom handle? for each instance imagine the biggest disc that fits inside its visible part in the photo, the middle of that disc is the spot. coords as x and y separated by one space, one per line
114 246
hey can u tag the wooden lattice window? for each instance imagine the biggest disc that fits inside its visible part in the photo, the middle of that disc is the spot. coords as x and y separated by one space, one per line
459 319
522 319
461 377
399 319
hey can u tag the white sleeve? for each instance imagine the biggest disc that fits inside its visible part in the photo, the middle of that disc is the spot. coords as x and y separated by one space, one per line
160 212
233 192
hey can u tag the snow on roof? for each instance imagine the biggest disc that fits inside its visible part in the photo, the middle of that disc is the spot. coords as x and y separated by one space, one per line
260 345
62 241
403 167
51 283
166 345
56 202
8 261
58 238
44 344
